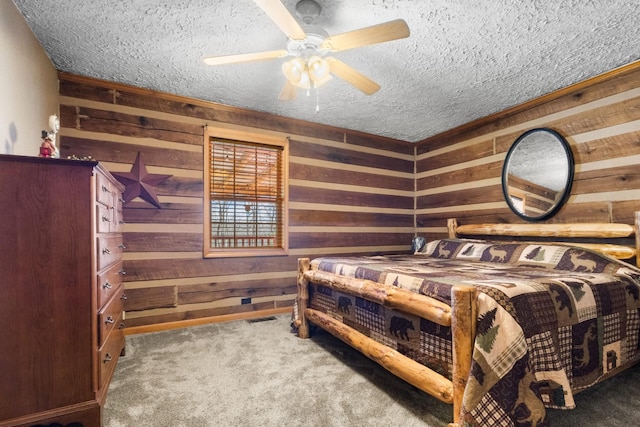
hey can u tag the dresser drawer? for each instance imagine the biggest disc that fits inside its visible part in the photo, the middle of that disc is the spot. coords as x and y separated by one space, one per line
109 219
109 250
108 356
108 283
105 219
118 218
105 190
110 317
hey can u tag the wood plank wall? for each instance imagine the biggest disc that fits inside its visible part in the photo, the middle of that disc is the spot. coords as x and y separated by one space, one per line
458 173
350 193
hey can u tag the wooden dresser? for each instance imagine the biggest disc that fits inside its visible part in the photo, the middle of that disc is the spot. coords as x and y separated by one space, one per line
61 292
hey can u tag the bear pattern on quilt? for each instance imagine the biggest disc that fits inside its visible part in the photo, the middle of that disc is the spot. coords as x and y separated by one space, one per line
406 333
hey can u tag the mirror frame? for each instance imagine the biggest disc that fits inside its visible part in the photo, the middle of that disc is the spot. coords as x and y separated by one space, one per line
567 188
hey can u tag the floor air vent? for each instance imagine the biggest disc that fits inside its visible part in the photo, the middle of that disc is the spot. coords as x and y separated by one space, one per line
261 319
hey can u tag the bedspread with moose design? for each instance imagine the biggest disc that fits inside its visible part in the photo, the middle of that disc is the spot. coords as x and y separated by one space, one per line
552 319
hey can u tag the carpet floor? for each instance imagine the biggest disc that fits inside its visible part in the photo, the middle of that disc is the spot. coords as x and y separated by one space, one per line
259 373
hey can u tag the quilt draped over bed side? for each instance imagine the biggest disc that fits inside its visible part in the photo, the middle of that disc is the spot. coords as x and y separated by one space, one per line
552 319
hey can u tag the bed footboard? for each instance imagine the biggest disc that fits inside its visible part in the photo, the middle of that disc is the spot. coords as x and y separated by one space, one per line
461 317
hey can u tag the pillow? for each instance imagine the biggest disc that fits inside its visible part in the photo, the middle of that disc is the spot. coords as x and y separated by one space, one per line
536 255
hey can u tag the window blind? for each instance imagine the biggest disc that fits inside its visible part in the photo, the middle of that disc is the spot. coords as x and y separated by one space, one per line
246 194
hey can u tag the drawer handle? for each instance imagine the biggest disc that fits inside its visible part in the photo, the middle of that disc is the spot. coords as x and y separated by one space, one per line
106 251
107 358
123 297
121 326
105 219
107 285
122 246
105 189
109 320
122 272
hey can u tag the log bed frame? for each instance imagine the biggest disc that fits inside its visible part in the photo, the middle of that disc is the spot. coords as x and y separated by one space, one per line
460 316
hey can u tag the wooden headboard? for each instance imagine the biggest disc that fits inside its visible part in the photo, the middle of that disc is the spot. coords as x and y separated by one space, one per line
607 232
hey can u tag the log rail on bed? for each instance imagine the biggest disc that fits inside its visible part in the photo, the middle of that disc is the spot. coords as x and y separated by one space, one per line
570 231
460 316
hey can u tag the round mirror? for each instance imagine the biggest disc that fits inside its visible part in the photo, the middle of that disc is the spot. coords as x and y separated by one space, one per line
537 174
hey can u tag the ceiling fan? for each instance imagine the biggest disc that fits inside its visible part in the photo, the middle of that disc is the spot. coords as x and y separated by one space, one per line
309 45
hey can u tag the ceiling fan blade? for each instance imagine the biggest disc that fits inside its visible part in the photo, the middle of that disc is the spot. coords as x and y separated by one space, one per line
245 57
282 18
353 77
385 32
288 92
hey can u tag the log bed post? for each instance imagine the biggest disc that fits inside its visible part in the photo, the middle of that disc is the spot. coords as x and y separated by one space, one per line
303 298
463 331
637 229
452 225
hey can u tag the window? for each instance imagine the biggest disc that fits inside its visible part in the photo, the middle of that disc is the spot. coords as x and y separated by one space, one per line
245 194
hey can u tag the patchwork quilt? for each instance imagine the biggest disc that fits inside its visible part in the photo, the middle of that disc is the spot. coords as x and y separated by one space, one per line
552 319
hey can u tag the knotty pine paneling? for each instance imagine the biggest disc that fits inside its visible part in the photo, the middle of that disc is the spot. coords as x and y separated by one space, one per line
462 196
618 178
350 157
460 176
310 217
150 298
177 268
333 195
458 173
100 121
162 242
624 211
607 148
454 156
347 239
215 291
380 143
119 152
171 213
309 173
349 192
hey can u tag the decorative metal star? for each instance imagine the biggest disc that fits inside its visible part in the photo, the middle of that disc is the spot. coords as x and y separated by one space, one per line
140 183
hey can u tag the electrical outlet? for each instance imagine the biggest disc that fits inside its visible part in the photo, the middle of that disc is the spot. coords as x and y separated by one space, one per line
244 301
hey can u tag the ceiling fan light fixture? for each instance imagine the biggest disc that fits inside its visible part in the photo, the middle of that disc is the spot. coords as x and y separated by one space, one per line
302 73
297 73
305 81
318 68
293 70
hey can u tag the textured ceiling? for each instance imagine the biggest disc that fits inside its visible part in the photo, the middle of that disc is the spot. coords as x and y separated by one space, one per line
464 59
